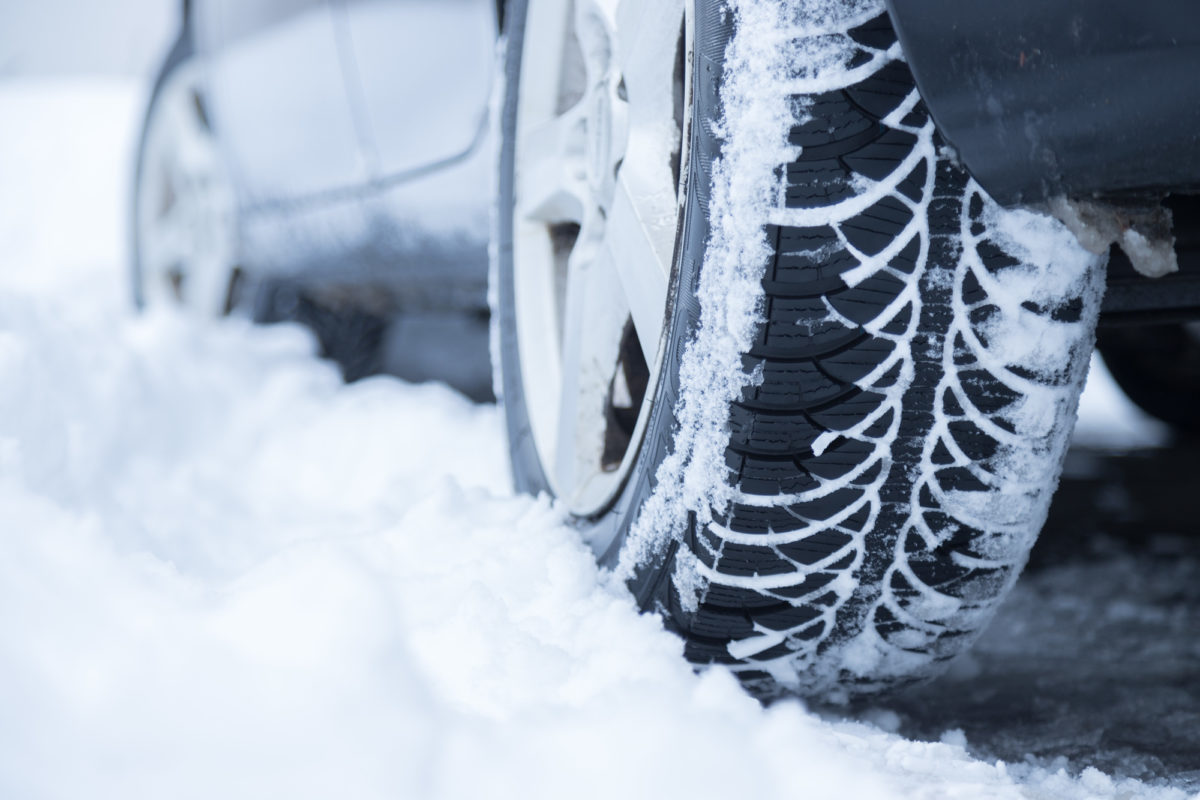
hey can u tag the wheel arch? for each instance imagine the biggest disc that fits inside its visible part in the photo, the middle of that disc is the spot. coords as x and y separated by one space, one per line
1045 99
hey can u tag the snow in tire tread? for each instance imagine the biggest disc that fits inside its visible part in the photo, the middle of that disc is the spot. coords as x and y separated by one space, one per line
869 457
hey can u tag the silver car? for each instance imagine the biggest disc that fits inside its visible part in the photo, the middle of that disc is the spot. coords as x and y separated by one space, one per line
761 326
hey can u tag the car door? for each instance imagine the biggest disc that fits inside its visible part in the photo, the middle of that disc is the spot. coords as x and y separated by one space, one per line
423 73
277 93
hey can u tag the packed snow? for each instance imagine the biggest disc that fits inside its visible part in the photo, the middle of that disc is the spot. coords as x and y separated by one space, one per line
224 574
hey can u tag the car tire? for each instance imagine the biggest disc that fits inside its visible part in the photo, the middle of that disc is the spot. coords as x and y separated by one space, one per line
831 457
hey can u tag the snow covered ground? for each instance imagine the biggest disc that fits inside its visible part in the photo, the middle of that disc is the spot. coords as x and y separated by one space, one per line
224 574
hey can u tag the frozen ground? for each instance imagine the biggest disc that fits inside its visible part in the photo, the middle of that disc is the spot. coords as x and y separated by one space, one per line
224 574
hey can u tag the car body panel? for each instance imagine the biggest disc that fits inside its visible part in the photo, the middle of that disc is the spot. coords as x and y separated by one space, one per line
354 167
418 242
400 81
1042 98
276 95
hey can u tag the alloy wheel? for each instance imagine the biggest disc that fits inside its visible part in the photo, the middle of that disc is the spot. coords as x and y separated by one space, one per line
601 121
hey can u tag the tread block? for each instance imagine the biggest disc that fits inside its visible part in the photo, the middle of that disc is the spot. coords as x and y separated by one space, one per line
778 434
797 242
745 518
994 257
913 187
878 226
829 121
877 33
855 363
878 159
886 623
881 426
826 507
899 325
959 479
917 118
986 392
722 596
938 572
759 475
811 549
816 184
906 260
707 651
941 454
849 412
885 91
972 291
741 560
798 327
791 385
841 458
870 297
813 582
974 443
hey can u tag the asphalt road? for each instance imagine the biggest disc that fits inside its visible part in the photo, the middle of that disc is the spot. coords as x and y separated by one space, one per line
1095 658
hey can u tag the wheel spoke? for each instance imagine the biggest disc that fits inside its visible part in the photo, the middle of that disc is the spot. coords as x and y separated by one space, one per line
647 65
596 307
595 212
542 68
640 241
552 172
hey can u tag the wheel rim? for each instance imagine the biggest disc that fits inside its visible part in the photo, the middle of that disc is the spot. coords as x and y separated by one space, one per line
186 233
601 114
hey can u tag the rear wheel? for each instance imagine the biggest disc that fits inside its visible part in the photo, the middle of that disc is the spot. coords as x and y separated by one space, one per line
184 223
793 374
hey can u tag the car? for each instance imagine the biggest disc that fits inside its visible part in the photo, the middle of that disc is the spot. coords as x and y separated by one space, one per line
791 301
281 172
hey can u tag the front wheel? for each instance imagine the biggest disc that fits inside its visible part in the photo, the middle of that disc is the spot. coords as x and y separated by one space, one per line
792 373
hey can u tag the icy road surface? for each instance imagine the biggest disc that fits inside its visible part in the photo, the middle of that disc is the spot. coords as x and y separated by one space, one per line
224 574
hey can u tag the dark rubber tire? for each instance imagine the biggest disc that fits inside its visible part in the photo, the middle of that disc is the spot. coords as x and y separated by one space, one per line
874 416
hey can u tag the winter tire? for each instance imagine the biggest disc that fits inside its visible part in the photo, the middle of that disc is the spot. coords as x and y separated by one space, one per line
184 242
793 375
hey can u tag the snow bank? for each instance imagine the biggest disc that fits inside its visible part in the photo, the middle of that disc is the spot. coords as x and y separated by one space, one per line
224 574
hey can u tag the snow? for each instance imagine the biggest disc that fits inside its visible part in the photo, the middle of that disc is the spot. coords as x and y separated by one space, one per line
1109 420
225 574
